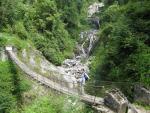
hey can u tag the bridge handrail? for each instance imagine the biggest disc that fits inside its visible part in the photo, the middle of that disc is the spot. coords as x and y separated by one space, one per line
45 81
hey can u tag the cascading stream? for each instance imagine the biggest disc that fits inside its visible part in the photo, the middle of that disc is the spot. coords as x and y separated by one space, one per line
72 68
90 39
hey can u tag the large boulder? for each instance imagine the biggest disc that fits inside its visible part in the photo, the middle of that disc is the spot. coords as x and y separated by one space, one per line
116 101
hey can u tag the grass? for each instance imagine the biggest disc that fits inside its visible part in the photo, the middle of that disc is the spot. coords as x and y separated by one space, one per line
43 100
39 99
11 39
146 107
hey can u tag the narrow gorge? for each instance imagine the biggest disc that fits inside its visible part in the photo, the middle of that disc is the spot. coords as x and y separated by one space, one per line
46 45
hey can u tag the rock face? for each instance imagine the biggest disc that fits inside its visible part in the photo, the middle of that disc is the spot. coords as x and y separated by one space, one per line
94 8
35 60
142 95
116 101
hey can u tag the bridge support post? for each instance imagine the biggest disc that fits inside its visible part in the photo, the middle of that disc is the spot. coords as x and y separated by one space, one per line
116 100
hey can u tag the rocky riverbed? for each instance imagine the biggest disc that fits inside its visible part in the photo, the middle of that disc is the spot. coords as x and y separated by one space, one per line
73 67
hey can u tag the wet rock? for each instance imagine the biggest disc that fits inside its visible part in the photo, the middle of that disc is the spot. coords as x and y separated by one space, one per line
70 62
95 22
86 45
73 67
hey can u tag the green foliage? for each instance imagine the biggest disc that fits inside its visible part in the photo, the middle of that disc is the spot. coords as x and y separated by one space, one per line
139 17
20 30
7 99
11 87
7 12
111 2
34 19
71 10
10 39
61 104
122 53
52 25
43 105
55 40
2 41
73 14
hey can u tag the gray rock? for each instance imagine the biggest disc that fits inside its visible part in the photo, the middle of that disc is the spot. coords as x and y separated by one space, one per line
24 53
142 95
94 8
32 60
116 100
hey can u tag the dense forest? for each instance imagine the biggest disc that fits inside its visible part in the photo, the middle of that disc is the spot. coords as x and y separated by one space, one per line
121 54
123 50
52 25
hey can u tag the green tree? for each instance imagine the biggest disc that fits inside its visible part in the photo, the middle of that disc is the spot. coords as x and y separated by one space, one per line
122 51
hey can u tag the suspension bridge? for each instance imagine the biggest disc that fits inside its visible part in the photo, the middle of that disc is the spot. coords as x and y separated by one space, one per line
52 84
89 99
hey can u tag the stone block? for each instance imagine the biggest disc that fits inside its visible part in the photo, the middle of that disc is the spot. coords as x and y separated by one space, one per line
116 101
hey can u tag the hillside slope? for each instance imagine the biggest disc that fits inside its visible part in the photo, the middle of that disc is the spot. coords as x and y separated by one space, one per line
123 51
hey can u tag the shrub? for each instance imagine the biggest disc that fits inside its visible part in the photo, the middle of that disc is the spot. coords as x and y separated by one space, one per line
20 30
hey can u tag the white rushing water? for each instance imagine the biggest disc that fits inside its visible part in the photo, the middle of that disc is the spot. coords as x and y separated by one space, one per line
89 40
72 68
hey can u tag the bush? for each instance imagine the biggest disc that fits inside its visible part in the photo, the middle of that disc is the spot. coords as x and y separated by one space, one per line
124 56
11 87
2 41
62 104
20 30
53 56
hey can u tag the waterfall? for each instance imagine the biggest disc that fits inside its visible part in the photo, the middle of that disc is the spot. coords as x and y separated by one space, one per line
72 68
89 41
